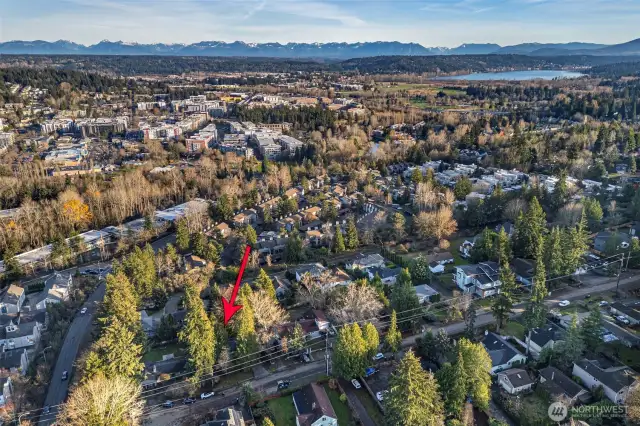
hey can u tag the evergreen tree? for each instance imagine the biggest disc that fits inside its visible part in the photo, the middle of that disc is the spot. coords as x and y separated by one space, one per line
632 165
477 367
554 254
413 397
560 192
199 243
590 329
350 352
463 188
120 301
502 304
182 235
503 247
118 352
535 314
351 241
371 338
297 339
530 228
393 338
470 321
420 269
223 210
250 233
338 241
570 349
246 339
266 216
294 250
453 385
211 253
263 282
483 249
140 267
416 176
404 298
198 334
594 213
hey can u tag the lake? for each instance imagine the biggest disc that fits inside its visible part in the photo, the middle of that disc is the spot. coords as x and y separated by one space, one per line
515 75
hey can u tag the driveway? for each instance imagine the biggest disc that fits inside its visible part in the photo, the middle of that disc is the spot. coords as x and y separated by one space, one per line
354 401
79 329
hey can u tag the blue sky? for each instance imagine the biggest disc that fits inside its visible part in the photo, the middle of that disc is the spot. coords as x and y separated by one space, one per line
428 22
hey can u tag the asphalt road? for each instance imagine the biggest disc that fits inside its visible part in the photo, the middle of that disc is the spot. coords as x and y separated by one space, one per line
80 327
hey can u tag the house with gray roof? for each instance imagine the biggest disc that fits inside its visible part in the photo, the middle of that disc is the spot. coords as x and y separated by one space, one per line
558 384
227 417
543 337
313 407
481 279
615 379
387 275
502 353
14 361
602 240
515 381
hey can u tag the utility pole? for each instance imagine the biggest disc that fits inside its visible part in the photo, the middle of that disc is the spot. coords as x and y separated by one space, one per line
326 349
619 273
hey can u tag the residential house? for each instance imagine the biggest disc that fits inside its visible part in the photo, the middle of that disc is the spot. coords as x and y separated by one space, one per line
523 269
616 380
543 337
635 230
466 247
56 290
321 320
282 286
12 300
247 217
436 268
7 388
509 228
502 353
442 258
310 328
339 190
387 275
425 293
294 193
315 238
338 277
481 279
274 247
194 262
365 261
559 385
515 381
227 417
630 312
16 335
313 269
223 229
13 362
313 407
601 241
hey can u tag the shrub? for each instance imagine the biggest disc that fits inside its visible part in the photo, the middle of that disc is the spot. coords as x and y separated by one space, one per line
343 398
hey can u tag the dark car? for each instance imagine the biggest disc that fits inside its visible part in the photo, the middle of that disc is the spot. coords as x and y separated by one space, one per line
283 384
65 375
168 404
188 401
46 409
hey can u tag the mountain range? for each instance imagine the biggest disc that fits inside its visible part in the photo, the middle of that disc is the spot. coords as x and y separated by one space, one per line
312 50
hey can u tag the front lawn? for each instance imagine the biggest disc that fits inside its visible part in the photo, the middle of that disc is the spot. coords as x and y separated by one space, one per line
371 406
284 412
514 329
341 408
155 354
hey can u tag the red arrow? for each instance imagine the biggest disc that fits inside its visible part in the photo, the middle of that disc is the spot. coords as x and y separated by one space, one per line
229 306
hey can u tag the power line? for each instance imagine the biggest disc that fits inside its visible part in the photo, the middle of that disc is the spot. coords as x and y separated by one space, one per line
597 264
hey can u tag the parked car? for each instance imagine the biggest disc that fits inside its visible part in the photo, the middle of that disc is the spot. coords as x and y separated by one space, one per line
306 358
188 400
370 372
378 356
46 409
65 375
283 384
167 404
380 395
603 303
206 395
622 320
83 311
356 384
564 303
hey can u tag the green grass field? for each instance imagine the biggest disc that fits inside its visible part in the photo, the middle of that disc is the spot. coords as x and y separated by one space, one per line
283 410
156 354
341 408
514 329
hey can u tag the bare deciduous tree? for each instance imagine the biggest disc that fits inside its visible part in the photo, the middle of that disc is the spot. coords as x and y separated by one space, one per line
358 303
267 313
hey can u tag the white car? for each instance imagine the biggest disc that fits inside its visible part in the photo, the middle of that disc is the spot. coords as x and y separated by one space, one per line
380 395
206 395
378 356
356 384
83 311
564 303
603 303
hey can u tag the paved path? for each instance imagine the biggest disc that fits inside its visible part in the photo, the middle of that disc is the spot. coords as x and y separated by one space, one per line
360 410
